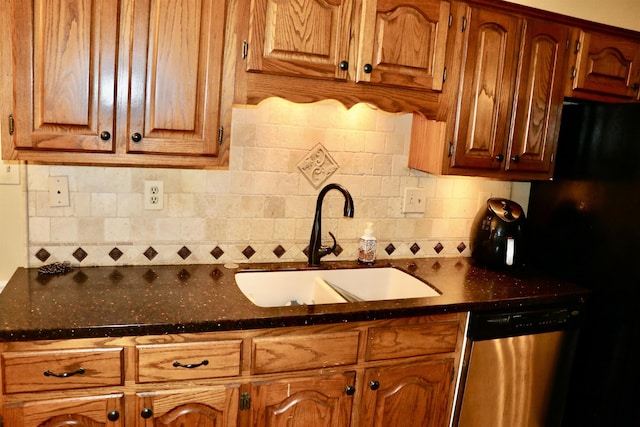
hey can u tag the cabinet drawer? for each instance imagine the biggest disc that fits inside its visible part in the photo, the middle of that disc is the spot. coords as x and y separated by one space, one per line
61 369
393 341
188 361
298 352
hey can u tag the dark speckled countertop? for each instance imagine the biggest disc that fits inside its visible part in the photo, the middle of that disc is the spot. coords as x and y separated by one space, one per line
142 300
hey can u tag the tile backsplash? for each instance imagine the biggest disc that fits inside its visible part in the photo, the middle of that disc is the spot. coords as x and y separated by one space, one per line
260 209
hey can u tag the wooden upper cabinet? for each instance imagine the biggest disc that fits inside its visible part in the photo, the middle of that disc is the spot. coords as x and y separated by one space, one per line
175 79
507 116
308 38
403 43
538 98
65 67
604 67
399 42
114 82
488 77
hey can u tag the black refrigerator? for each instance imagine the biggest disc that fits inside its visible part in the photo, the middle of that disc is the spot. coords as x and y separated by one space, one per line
585 226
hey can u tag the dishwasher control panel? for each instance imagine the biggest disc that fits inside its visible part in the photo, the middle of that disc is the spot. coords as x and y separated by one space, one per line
508 323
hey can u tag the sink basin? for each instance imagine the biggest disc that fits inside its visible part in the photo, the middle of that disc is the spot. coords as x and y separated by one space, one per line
291 287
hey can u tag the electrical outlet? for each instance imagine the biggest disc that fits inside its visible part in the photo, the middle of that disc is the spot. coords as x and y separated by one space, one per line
154 195
415 200
58 191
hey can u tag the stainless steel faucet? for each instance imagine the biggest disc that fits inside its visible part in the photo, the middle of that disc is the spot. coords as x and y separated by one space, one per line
316 250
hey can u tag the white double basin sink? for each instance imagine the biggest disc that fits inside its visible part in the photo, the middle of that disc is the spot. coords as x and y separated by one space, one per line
309 287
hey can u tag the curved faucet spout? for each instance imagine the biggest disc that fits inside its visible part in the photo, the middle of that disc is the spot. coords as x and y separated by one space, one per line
316 250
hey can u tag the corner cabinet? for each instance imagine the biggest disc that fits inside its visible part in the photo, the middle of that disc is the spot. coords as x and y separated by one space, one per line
362 374
604 67
114 82
507 114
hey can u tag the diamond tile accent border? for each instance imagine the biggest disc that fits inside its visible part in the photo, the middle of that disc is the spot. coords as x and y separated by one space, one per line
43 254
257 252
318 165
184 252
150 253
248 252
80 254
115 254
279 251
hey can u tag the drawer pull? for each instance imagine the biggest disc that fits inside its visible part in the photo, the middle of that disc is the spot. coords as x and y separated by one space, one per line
177 364
48 373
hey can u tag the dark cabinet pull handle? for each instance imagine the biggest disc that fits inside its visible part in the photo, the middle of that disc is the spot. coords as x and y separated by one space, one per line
499 158
350 390
344 65
515 159
105 135
136 137
113 416
79 371
374 385
368 68
177 364
146 413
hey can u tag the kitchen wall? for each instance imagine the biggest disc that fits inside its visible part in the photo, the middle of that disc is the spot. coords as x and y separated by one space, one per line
619 13
263 200
262 208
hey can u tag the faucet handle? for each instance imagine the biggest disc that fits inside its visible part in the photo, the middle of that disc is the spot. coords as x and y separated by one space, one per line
326 250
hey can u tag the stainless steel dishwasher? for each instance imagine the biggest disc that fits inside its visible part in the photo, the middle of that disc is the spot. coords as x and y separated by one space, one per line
517 367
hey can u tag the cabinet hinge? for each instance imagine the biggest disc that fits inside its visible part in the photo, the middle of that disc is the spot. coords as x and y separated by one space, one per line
453 371
552 158
444 75
12 129
577 49
245 401
450 20
450 153
573 72
463 28
220 135
245 49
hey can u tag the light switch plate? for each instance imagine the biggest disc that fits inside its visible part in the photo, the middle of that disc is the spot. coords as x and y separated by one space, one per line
415 200
9 173
58 191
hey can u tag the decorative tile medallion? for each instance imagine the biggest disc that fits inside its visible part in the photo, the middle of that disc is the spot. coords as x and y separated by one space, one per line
248 252
115 254
461 247
318 165
279 251
414 248
217 252
438 248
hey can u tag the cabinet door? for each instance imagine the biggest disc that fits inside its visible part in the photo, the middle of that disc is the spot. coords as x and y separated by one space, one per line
175 77
605 65
202 407
539 97
92 411
409 395
64 76
300 38
313 401
403 43
487 81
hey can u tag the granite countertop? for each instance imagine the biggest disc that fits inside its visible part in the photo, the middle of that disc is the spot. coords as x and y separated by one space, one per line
142 300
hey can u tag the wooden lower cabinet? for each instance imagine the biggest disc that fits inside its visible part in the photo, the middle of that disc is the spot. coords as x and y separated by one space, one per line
201 406
318 401
408 395
393 372
86 411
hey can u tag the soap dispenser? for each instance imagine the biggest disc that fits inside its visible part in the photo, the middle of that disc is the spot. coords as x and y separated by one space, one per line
367 250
